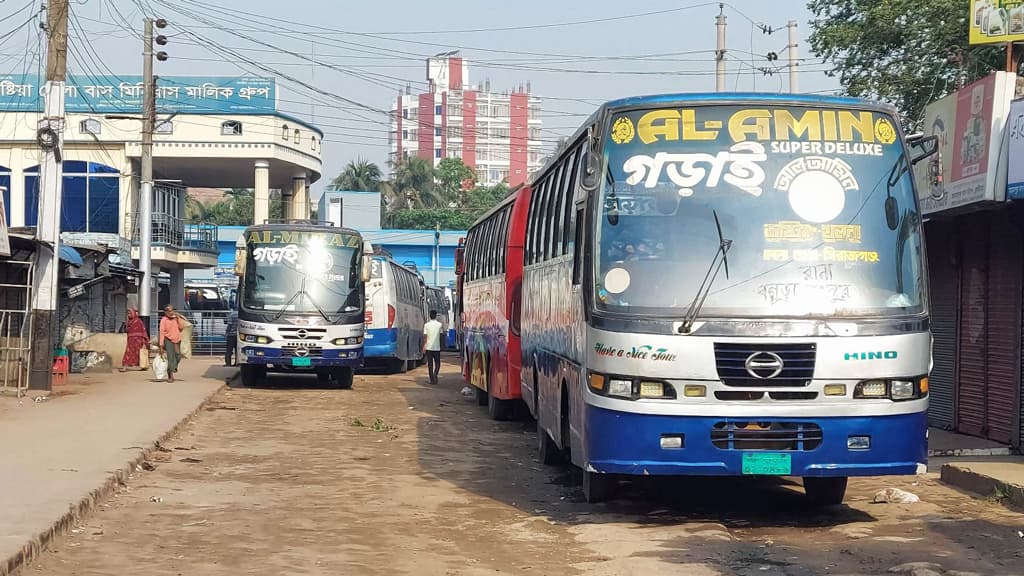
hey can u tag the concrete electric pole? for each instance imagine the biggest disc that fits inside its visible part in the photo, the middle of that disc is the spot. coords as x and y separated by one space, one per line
793 58
145 217
720 50
50 135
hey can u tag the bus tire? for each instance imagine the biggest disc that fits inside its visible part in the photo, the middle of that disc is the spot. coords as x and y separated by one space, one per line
399 366
547 451
252 376
498 409
343 377
323 376
825 491
411 365
481 397
598 487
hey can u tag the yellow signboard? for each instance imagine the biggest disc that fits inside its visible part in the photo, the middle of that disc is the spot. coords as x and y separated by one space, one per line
996 21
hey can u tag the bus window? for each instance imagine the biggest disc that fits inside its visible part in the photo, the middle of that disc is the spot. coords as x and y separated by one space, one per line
568 234
558 210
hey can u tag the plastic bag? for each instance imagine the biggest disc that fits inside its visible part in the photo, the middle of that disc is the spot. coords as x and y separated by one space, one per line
185 348
160 368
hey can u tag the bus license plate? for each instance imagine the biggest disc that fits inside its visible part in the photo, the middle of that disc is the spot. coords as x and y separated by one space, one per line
302 362
767 464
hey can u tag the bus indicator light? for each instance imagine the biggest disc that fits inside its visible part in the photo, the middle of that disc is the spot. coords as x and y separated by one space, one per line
695 390
835 390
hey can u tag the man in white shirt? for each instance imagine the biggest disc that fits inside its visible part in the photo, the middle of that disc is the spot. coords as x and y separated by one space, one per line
432 346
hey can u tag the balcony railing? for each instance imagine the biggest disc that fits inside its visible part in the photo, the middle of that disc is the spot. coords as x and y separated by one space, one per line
172 231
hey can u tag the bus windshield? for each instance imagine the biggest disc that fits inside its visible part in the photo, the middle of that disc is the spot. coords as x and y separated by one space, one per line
308 276
817 204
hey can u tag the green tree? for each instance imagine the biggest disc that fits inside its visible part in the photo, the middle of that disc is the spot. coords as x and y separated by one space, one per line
361 175
451 173
908 52
238 207
413 180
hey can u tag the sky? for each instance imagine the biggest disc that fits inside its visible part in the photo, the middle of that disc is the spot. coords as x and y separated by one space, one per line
341 63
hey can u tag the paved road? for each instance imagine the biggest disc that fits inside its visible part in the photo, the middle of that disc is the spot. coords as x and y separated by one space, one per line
398 477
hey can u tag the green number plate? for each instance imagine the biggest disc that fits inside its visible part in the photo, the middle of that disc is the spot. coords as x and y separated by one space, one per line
302 362
767 464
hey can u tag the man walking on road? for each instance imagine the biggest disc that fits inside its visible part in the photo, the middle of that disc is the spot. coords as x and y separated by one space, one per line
432 346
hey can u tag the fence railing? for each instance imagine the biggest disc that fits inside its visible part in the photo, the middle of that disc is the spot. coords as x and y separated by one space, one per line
209 330
172 231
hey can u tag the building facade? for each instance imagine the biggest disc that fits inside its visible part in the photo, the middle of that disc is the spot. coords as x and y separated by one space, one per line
975 244
498 135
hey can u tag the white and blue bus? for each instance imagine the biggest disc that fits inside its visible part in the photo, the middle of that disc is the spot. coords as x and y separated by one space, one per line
729 285
394 315
300 301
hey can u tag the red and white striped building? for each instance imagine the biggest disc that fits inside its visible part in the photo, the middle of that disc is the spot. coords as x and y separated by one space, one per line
498 135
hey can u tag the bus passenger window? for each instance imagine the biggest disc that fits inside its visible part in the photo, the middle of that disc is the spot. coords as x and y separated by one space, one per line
577 260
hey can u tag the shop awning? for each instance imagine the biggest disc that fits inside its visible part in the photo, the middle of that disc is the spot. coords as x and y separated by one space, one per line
70 255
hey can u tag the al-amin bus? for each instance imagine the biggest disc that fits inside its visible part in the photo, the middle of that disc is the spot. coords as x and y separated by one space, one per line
729 285
491 283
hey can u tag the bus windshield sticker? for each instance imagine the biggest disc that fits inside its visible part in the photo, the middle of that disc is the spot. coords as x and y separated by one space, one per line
684 171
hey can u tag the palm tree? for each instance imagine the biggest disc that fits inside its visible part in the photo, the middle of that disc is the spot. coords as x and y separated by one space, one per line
195 211
361 175
414 181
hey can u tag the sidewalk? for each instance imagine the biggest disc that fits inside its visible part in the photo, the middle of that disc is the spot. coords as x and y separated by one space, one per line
942 443
61 455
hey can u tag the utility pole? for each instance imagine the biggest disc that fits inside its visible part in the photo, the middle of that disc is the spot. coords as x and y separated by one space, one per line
145 217
720 50
437 251
50 136
793 58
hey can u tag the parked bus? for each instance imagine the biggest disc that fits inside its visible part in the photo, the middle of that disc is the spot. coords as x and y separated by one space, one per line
436 300
729 285
457 305
492 283
300 301
394 315
450 330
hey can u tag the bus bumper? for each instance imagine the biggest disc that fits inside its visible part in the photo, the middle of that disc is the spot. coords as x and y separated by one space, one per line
380 343
626 443
330 357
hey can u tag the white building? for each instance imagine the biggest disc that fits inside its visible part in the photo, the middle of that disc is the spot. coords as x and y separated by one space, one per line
496 134
224 133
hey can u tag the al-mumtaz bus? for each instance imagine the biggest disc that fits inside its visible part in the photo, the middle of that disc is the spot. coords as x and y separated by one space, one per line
725 285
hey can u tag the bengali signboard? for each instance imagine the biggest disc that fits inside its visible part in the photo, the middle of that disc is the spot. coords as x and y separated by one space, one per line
996 21
970 125
1015 163
123 94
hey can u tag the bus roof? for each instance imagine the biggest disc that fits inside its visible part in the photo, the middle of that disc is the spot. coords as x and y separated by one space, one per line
737 97
302 227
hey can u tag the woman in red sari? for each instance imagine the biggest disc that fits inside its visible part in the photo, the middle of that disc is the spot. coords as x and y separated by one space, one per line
138 340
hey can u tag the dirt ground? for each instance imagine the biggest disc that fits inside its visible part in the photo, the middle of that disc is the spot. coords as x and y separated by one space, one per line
399 477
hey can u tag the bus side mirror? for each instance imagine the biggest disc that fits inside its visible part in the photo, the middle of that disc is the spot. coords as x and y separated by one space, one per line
590 176
364 272
928 145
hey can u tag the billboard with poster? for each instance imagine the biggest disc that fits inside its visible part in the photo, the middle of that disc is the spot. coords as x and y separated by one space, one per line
996 21
970 125
1015 163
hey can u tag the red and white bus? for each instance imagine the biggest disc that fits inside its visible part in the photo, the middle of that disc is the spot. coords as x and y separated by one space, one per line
490 288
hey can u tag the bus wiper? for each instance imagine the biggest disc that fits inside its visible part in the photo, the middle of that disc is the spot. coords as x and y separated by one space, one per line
721 259
302 291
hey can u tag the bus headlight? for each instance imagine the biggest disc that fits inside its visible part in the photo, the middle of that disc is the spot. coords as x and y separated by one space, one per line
254 339
347 341
620 388
895 390
871 389
902 390
629 388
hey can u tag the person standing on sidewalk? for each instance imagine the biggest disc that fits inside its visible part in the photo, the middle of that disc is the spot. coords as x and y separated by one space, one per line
432 346
231 338
170 340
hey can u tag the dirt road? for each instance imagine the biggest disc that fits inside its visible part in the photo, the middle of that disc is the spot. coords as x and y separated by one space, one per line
398 477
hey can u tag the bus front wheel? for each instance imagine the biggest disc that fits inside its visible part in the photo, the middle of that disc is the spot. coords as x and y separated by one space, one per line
598 487
343 377
252 375
825 491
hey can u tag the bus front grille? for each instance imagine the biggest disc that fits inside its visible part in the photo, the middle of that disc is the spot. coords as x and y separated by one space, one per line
784 436
765 365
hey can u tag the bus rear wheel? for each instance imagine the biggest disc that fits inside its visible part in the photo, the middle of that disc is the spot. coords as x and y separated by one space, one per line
825 491
598 487
547 451
499 409
481 397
